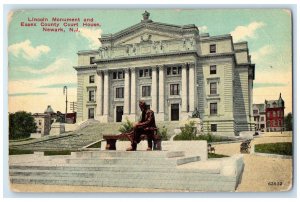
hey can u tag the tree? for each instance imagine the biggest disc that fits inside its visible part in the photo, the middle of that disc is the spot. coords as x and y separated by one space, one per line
21 124
288 121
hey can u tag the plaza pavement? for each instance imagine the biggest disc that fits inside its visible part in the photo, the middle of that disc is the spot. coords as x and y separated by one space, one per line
259 172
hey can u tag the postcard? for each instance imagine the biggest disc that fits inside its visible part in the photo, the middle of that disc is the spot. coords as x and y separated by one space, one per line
150 100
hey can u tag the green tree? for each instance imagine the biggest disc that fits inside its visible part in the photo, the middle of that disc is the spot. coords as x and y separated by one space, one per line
21 124
288 121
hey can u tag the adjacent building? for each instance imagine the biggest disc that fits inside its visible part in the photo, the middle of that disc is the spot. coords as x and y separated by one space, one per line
269 116
275 114
175 70
259 114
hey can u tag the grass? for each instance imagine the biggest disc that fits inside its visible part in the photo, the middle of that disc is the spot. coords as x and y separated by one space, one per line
19 152
213 155
52 153
46 153
281 148
96 145
21 140
208 138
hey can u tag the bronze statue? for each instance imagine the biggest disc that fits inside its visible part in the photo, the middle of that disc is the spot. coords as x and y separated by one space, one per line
145 126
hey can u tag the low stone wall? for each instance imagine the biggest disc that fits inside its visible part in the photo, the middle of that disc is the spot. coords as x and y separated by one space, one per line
191 148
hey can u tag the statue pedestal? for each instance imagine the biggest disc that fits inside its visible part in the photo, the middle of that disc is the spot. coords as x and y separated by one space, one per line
57 128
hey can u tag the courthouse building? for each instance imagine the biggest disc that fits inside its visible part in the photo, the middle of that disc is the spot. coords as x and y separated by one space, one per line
175 70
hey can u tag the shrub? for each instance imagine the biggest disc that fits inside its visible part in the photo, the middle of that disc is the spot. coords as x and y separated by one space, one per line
21 124
188 132
126 127
163 133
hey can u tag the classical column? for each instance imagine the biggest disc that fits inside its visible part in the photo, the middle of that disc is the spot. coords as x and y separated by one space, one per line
184 89
106 103
192 88
126 92
161 97
133 92
154 89
99 94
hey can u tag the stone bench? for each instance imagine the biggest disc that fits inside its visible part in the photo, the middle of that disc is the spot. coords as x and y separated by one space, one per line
111 139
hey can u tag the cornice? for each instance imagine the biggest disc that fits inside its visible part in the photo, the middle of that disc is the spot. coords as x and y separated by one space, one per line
194 52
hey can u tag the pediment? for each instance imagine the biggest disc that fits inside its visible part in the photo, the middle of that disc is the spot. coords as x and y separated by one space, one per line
149 32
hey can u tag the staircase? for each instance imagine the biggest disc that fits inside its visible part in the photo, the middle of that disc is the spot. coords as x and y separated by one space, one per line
170 170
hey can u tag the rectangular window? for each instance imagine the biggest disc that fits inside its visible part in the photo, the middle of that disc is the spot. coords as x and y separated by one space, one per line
141 72
114 75
174 70
120 75
91 113
213 108
92 79
268 114
174 89
262 118
213 88
213 127
91 95
119 92
213 69
146 91
212 48
91 60
278 113
169 71
274 114
146 72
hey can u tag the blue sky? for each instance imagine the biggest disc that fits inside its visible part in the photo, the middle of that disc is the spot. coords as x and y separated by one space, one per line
41 63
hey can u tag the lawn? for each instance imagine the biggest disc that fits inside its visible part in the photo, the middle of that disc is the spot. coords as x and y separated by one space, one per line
46 153
281 148
213 155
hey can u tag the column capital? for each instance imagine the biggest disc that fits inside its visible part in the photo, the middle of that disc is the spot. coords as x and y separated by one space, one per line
126 70
154 68
99 72
132 69
105 71
160 67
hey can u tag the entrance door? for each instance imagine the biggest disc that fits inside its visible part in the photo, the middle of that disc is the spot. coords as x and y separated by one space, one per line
174 112
119 113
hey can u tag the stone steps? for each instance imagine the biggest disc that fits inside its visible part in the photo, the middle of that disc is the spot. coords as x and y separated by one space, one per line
141 182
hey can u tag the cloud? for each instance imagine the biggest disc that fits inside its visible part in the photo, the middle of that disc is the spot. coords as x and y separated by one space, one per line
261 53
58 64
245 32
9 17
265 85
203 29
27 51
60 85
92 36
26 94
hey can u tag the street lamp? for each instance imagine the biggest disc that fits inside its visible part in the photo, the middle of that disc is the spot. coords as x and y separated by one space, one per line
66 92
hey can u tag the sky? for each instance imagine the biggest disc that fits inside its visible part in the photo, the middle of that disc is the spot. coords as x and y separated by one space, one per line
41 63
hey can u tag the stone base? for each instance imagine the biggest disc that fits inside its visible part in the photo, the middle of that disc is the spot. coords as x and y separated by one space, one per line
57 128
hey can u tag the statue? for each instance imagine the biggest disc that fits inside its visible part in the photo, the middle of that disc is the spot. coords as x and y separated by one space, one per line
196 113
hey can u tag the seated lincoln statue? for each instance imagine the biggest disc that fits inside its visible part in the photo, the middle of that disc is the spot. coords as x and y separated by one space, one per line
145 126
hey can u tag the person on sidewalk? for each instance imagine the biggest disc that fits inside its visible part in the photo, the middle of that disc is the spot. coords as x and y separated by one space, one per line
145 126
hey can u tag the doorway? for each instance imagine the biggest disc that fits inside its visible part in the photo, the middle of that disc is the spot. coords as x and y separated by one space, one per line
119 113
174 112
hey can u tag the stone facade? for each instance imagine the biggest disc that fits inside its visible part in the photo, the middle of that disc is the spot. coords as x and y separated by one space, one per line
175 70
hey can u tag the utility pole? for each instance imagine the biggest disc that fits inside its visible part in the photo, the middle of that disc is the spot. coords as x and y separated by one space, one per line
66 92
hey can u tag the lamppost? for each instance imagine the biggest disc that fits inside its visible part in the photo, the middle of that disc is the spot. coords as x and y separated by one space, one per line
66 92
